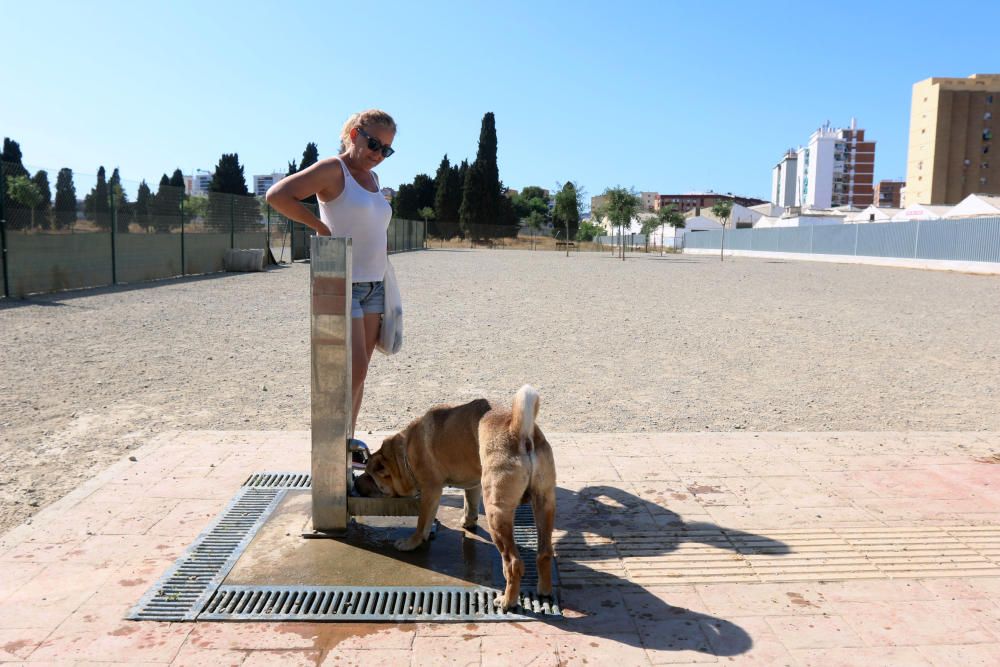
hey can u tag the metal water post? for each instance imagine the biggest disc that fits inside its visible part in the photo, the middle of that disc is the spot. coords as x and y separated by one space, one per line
330 315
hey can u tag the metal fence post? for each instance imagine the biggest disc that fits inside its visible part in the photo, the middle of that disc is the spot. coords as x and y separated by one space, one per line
812 231
3 230
114 223
916 240
232 222
857 231
183 262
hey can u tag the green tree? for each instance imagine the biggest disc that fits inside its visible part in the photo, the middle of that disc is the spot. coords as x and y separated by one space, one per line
404 204
588 230
426 213
65 204
18 215
119 199
143 210
669 216
177 180
310 156
95 204
566 213
26 192
11 157
228 177
534 222
41 179
423 185
231 206
480 208
622 205
722 209
447 196
166 205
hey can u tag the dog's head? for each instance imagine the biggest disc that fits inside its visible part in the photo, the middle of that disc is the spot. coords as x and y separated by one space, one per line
388 470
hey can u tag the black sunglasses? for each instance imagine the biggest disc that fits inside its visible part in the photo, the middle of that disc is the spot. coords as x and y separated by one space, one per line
376 145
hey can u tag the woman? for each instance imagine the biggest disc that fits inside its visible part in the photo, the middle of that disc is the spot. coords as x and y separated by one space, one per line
351 204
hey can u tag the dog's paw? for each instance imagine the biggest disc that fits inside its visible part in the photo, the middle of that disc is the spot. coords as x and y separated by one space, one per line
408 543
503 603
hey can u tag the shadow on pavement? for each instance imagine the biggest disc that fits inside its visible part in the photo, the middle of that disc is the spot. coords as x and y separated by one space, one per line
606 605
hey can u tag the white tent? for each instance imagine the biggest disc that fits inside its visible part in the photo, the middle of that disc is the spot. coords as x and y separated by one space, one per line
921 212
976 205
872 214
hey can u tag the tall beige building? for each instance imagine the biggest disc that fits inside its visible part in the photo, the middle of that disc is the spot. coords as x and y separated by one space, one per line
953 148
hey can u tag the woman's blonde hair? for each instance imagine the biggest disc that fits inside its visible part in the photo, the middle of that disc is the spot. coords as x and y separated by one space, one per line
364 119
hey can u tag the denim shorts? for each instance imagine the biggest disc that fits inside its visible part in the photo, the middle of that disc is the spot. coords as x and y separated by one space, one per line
367 298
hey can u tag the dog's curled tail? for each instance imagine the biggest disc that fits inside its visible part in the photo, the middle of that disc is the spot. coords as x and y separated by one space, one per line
522 425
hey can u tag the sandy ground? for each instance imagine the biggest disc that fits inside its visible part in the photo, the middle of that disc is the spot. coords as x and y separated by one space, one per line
679 343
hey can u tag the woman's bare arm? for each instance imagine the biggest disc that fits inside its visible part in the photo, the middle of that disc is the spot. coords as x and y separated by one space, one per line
324 179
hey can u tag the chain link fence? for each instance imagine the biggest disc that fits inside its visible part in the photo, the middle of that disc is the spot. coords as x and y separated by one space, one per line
126 232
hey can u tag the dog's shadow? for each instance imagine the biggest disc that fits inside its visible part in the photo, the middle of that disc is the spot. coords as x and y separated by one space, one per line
600 603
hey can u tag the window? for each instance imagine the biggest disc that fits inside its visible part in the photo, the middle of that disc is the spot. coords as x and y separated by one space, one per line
987 135
989 99
987 116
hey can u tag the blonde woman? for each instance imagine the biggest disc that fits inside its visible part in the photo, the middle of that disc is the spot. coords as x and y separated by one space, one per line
351 204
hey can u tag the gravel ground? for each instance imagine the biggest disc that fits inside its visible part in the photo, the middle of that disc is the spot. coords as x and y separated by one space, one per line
679 343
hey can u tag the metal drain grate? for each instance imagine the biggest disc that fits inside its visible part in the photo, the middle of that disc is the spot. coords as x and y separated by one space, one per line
192 588
368 603
279 480
526 539
183 590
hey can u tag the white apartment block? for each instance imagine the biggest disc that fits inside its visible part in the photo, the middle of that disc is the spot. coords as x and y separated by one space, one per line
783 179
262 182
836 168
199 184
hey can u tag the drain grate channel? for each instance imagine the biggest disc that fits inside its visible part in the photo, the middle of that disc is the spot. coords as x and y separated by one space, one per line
192 588
366 603
526 539
279 480
183 590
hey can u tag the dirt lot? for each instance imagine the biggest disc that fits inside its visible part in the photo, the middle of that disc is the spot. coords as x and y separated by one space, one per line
679 343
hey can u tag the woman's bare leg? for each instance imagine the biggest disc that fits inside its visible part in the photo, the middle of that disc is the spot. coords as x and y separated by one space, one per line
364 335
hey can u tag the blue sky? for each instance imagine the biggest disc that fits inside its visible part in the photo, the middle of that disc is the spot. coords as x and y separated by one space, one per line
662 96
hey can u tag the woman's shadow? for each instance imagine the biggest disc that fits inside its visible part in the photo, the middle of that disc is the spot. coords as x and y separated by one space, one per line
598 602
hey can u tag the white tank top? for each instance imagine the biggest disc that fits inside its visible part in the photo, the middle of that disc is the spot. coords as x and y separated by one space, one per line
363 216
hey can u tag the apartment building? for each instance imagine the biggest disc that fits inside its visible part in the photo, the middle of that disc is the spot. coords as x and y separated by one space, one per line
262 182
649 200
888 194
783 180
836 168
696 201
952 151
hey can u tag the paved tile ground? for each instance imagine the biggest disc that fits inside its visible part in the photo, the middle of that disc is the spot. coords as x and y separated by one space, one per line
771 548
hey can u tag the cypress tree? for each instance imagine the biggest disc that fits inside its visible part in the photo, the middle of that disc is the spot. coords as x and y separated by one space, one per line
310 156
177 179
481 190
239 209
65 206
44 217
18 215
95 204
229 177
143 199
165 206
122 207
404 204
11 158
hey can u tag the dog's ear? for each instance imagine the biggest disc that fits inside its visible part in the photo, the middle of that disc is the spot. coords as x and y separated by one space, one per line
377 464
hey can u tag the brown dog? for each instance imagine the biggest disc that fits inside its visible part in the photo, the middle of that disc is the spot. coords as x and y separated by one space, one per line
493 453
